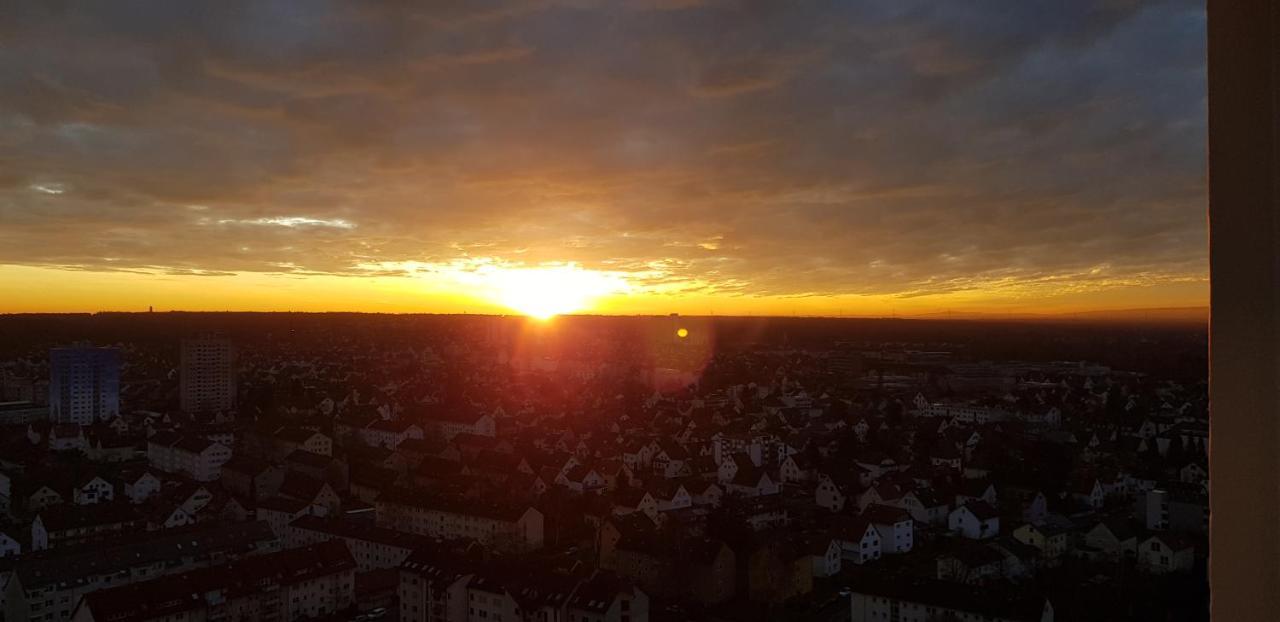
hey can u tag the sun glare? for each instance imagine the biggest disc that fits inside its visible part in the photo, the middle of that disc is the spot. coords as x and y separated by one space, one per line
549 291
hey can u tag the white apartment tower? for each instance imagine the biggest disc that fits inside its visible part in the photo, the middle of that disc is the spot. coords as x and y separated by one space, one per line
207 376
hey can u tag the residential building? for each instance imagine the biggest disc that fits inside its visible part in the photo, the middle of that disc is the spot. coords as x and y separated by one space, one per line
207 375
84 384
371 547
293 584
504 527
449 422
198 458
1165 553
45 588
919 599
975 520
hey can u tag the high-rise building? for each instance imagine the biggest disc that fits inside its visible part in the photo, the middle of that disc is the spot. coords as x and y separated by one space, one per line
84 384
207 376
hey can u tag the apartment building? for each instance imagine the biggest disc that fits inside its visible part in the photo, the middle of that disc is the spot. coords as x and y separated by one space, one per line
288 585
436 588
198 458
503 527
46 587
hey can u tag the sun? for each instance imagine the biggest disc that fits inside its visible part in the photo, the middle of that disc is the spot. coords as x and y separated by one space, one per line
545 292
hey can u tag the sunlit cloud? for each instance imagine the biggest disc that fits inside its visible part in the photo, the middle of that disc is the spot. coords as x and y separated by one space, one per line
735 150
292 222
52 188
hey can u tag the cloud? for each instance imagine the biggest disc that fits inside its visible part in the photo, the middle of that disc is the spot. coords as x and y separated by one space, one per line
820 148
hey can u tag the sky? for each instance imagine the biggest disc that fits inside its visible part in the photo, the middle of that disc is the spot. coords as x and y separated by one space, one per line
623 156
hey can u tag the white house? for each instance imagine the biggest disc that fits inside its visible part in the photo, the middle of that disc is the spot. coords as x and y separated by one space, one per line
976 520
896 528
140 486
1166 553
92 490
824 554
860 542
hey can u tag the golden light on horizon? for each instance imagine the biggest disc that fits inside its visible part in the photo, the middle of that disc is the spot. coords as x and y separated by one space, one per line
682 333
545 292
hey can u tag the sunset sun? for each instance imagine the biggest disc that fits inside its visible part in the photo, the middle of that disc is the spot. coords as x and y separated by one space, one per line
549 291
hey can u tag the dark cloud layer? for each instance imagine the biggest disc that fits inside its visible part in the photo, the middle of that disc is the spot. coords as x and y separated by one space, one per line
899 147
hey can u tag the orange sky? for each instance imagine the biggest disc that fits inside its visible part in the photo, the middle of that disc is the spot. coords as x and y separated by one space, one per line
829 158
27 289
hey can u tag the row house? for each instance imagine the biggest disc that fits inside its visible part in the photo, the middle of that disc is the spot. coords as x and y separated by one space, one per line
503 527
45 588
932 599
434 588
450 422
68 526
196 457
372 548
389 433
310 582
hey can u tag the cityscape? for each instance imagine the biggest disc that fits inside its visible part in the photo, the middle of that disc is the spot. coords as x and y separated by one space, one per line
585 468
637 310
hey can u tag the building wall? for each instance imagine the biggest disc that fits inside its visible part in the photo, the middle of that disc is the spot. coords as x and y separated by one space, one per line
870 608
84 384
524 533
207 375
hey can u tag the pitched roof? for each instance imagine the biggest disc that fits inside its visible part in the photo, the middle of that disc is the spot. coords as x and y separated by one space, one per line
173 594
982 510
885 514
78 565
